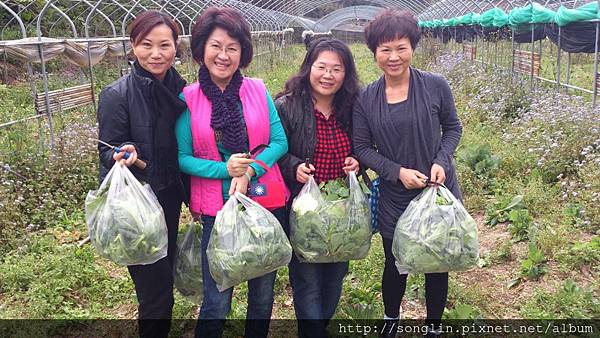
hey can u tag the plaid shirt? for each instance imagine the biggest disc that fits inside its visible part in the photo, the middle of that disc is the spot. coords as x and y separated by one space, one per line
333 146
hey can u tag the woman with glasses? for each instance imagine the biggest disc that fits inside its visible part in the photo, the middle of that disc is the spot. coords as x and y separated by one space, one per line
228 115
406 129
316 112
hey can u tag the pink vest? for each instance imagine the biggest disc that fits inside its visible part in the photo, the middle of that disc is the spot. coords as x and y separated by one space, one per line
207 194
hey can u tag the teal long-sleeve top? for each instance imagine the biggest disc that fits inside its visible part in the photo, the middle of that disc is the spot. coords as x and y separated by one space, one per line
218 169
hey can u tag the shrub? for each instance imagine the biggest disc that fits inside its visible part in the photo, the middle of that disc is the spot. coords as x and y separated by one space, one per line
53 186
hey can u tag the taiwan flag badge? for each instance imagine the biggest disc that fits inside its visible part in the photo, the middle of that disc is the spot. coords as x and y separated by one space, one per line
270 194
258 190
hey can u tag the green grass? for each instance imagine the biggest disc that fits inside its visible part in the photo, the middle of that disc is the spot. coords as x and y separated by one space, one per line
570 301
48 276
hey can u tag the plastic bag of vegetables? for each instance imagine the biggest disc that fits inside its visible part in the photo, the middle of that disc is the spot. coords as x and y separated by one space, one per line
125 222
188 262
333 225
246 242
435 234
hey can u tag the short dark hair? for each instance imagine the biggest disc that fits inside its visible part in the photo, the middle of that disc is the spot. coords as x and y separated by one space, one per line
228 19
391 24
299 84
145 22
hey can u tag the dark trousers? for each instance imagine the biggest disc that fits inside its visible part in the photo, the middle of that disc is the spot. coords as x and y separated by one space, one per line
154 282
216 305
393 287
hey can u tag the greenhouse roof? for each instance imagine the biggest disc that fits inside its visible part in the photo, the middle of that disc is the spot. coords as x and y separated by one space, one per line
109 18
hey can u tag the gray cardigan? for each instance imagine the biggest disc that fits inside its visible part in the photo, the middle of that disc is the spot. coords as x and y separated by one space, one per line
426 132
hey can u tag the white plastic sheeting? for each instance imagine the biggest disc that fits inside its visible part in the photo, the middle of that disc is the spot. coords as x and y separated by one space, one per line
74 50
28 49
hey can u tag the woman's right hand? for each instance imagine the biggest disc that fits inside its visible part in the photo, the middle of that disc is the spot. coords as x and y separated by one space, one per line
133 155
303 172
412 179
237 165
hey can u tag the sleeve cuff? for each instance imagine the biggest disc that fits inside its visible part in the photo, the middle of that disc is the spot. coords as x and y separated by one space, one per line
442 163
258 170
393 175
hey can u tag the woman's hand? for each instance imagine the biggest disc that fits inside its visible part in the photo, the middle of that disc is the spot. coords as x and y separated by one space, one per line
238 164
120 156
303 172
239 184
412 179
438 175
350 164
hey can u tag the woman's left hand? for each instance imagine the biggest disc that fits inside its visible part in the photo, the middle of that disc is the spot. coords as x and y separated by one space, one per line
438 175
350 164
239 184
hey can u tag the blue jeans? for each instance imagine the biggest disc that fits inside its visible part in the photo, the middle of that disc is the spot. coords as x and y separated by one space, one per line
217 305
317 288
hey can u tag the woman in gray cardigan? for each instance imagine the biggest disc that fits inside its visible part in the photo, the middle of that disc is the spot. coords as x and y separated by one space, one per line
405 127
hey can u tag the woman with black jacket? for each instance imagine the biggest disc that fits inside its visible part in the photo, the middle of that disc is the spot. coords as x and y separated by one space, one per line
315 109
138 113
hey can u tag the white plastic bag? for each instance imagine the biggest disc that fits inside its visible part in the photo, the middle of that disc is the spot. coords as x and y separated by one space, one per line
435 234
125 222
188 262
246 242
324 231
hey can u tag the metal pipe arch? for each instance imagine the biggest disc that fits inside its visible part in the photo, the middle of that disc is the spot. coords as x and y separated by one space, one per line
18 14
50 3
335 18
16 17
161 8
91 13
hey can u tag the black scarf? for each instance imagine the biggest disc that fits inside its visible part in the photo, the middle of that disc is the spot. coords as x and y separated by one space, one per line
226 119
166 108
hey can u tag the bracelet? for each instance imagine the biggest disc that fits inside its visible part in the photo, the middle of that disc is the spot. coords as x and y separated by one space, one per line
248 176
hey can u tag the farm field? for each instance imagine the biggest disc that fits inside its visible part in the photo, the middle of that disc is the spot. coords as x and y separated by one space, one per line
528 165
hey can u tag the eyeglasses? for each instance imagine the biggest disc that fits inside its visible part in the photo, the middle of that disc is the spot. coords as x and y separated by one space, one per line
231 50
333 71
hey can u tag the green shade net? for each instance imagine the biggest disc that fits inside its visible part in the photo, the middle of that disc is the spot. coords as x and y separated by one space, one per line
565 16
445 22
465 19
530 14
494 17
533 13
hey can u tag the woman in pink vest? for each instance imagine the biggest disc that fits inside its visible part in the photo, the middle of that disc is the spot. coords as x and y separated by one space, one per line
228 115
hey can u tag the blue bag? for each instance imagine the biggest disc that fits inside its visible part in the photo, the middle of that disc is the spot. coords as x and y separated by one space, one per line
373 199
